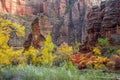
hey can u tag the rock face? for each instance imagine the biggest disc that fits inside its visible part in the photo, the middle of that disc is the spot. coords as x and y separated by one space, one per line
35 38
67 17
12 7
104 21
111 17
94 25
22 7
69 20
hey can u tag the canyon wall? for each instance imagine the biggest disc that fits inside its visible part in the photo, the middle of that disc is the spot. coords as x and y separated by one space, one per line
104 21
21 7
12 7
67 17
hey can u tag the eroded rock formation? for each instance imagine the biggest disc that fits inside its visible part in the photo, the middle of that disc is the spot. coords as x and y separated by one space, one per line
111 17
68 17
104 21
35 38
41 27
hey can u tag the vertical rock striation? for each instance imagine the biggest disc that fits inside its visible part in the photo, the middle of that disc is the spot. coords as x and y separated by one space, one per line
68 17
104 21
69 20
12 7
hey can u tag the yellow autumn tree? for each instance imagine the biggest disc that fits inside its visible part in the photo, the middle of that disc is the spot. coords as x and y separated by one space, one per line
6 52
64 52
46 57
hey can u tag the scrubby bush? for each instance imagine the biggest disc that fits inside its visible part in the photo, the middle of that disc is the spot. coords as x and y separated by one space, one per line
63 53
105 48
97 51
103 41
96 62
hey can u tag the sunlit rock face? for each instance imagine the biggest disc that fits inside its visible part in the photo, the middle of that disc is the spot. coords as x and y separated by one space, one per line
29 7
12 7
20 7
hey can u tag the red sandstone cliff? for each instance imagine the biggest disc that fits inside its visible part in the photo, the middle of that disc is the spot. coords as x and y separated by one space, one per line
12 7
21 7
29 7
68 17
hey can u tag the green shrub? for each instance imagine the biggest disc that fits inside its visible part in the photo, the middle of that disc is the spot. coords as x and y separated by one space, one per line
103 41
